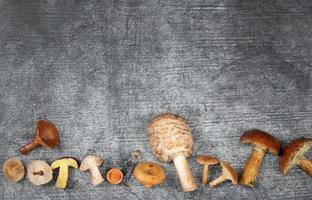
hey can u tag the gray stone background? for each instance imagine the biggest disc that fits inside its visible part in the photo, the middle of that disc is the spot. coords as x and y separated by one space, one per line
100 70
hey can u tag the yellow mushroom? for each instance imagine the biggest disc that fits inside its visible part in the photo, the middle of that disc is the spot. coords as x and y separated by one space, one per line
63 164
149 174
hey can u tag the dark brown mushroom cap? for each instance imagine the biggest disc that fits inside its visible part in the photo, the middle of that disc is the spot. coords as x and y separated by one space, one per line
293 152
48 133
262 140
207 160
229 172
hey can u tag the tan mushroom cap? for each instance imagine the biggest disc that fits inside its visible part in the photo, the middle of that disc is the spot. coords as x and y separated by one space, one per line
39 172
91 161
229 172
13 170
293 152
207 160
261 140
149 174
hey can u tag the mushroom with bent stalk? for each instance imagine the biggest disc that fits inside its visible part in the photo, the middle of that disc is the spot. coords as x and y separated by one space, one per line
92 163
39 172
63 164
293 154
228 173
46 135
13 170
206 161
263 142
170 139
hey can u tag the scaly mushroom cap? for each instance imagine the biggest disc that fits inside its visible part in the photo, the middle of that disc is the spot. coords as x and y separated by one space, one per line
207 160
91 161
262 140
39 172
293 152
229 172
48 133
13 170
169 134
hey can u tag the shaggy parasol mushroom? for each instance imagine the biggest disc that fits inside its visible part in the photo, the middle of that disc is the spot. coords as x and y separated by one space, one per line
149 174
170 138
46 135
206 161
39 172
293 154
91 163
63 164
263 143
13 170
114 176
228 173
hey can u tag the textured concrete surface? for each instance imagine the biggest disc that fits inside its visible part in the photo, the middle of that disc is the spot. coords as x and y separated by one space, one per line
101 69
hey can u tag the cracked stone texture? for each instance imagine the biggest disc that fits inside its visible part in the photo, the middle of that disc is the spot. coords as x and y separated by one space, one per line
100 70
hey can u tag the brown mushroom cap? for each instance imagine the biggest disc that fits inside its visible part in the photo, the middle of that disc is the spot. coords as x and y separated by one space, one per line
207 160
48 134
149 174
13 170
91 161
114 176
229 172
168 135
262 140
293 152
39 172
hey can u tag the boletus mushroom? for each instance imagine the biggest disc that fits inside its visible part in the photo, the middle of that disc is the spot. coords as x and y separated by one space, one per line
13 170
263 142
170 138
39 172
293 154
46 135
228 173
114 176
92 163
149 174
63 164
206 161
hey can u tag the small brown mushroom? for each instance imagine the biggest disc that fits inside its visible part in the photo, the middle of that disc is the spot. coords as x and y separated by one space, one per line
149 174
91 163
293 154
170 139
13 170
63 164
263 143
114 176
206 161
228 173
46 135
39 172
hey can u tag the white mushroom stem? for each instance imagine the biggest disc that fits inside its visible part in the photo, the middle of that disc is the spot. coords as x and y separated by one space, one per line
96 175
184 173
306 165
218 181
252 167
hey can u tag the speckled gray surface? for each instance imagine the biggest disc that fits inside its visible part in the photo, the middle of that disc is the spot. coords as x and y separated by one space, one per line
101 69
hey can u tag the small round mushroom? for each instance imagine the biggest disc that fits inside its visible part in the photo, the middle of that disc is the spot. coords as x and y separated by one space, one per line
206 161
228 173
114 176
91 163
293 154
263 142
149 174
39 172
13 170
46 135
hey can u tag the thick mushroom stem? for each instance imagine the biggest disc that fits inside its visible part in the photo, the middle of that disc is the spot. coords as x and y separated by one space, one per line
62 178
184 172
252 167
30 146
306 165
205 174
218 181
96 176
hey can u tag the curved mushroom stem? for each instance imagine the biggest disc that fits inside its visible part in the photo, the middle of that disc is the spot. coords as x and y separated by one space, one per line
252 167
30 146
96 176
205 174
185 174
306 165
217 181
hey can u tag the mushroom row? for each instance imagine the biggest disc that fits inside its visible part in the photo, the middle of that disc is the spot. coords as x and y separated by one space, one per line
170 139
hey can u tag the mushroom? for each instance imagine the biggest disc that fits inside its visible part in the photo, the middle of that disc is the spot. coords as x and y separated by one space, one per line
46 135
206 161
130 164
170 138
149 174
39 172
63 164
91 163
228 173
263 143
114 176
293 154
13 170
